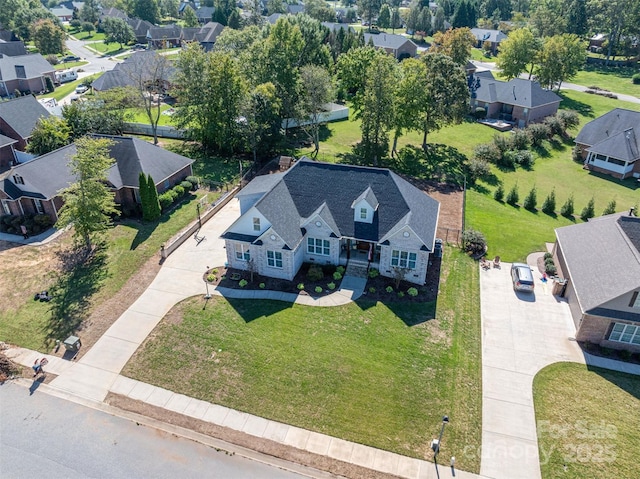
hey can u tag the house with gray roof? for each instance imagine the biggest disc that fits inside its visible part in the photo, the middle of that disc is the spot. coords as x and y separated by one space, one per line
140 28
327 213
64 10
7 153
18 118
165 37
611 143
142 63
12 49
205 14
494 37
397 45
518 101
34 187
24 73
600 261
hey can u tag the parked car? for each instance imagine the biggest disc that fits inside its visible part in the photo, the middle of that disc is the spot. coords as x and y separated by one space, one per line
140 46
522 277
80 89
70 58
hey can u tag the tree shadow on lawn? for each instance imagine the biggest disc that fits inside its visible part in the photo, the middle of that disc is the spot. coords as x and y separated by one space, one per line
256 309
79 278
630 183
627 382
582 108
439 162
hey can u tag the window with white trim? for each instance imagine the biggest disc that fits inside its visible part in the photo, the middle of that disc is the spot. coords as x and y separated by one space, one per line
363 213
5 207
318 246
403 259
625 333
38 205
18 180
256 224
242 252
274 259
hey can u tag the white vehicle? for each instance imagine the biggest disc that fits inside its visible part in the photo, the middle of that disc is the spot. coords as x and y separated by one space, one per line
80 89
65 76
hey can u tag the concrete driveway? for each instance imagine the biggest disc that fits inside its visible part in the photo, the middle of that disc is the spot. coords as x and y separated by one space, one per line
521 333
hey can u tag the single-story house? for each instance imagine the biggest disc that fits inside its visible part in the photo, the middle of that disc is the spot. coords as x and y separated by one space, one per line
164 37
113 12
494 37
327 213
519 101
64 10
12 49
25 73
34 187
600 261
397 45
611 143
18 118
120 77
140 28
205 14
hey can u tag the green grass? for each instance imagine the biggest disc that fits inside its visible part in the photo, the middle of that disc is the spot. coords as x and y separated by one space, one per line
140 116
106 48
93 36
588 422
478 55
131 244
63 90
617 80
355 371
65 66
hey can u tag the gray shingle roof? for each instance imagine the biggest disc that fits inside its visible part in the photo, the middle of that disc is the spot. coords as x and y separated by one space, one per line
483 35
34 66
602 260
387 40
260 184
12 49
140 27
22 114
170 32
119 77
5 141
205 13
520 92
607 134
48 174
330 190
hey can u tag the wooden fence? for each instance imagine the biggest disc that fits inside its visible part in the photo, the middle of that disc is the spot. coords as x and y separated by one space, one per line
449 235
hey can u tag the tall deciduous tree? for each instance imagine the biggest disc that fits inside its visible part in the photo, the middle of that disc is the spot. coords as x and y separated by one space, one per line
617 18
447 94
518 53
562 56
146 10
317 91
90 11
377 111
411 98
88 202
456 44
105 114
548 17
48 37
116 30
438 20
352 70
189 17
49 134
261 118
577 17
369 10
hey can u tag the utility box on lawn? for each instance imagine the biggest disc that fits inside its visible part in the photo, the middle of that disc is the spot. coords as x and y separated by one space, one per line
72 343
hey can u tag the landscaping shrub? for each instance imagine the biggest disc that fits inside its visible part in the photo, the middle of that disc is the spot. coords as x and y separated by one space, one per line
588 211
300 286
478 169
480 113
636 79
318 289
331 286
400 294
165 200
568 118
373 273
531 200
262 286
520 139
549 205
179 191
538 132
75 23
315 273
412 292
610 209
193 180
501 142
524 158
187 185
389 289
211 278
44 221
243 283
499 193
547 255
52 59
473 241
340 269
487 152
567 209
372 290
513 197
576 154
556 127
508 159
337 275
550 269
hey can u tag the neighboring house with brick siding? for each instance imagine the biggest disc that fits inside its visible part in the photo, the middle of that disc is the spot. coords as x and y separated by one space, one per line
18 118
611 143
34 187
397 45
25 73
326 213
600 260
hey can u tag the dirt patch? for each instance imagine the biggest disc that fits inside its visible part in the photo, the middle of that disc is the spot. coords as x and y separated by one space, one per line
264 446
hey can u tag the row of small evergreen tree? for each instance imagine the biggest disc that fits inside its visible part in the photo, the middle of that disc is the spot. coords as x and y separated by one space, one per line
549 205
149 198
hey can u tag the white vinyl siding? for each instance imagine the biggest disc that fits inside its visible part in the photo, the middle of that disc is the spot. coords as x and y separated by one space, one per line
625 333
318 246
403 259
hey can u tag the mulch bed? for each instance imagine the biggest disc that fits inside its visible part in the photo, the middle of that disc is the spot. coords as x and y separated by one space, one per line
376 289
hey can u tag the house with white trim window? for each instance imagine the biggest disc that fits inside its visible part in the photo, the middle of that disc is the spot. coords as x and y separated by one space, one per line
326 213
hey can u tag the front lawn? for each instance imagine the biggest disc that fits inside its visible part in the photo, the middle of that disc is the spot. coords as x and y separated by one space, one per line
63 90
358 371
106 48
588 422
90 36
66 66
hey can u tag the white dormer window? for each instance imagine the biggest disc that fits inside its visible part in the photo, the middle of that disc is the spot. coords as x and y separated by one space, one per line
363 213
18 180
256 224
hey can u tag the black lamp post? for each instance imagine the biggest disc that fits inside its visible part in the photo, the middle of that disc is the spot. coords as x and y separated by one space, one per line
435 444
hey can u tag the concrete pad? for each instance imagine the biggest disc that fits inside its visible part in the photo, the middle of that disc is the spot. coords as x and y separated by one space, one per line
517 458
276 431
386 461
363 455
503 358
141 391
297 437
215 414
110 354
501 383
340 449
180 281
123 385
408 467
156 302
318 443
178 403
196 408
256 426
235 420
509 419
85 381
133 326
160 397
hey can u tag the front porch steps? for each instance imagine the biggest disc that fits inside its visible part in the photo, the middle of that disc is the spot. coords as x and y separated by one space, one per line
356 269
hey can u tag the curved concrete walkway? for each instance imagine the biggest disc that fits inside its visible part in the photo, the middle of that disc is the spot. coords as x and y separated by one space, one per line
521 334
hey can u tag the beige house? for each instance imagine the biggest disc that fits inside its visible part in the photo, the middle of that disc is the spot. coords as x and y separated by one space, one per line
397 45
600 260
326 213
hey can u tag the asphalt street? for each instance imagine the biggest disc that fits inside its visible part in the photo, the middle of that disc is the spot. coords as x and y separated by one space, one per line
42 436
